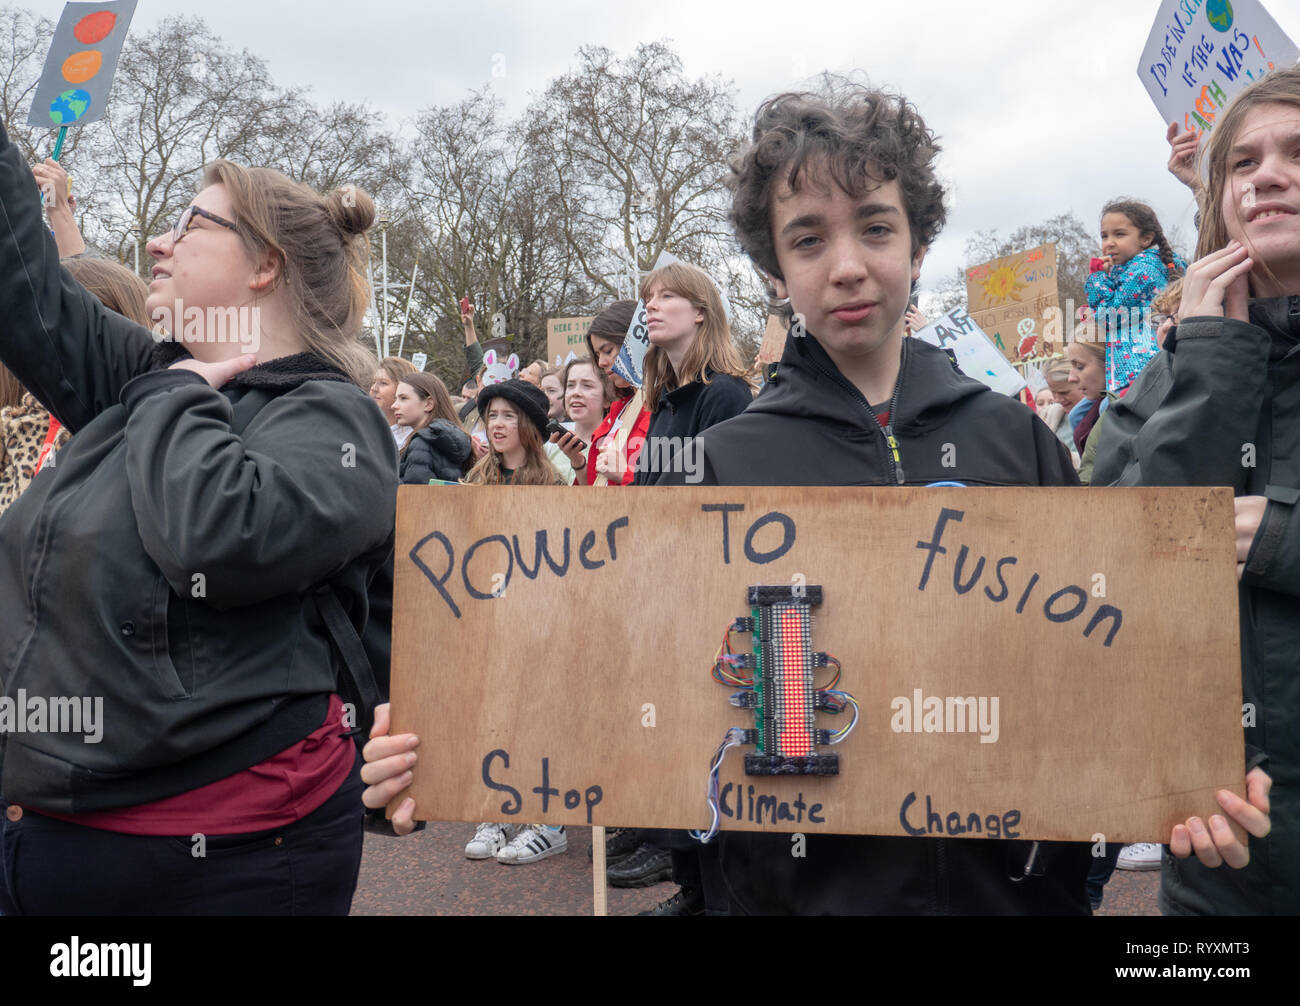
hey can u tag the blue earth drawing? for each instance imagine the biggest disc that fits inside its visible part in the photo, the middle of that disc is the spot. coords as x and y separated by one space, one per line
1219 14
69 106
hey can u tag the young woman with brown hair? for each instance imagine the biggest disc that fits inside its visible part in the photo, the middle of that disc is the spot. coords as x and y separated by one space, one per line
206 547
438 448
694 377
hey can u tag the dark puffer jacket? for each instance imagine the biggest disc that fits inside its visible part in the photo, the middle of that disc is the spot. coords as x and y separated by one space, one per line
1223 409
170 561
811 426
439 451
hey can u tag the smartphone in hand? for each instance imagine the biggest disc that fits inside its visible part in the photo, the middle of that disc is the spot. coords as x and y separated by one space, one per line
464 305
554 429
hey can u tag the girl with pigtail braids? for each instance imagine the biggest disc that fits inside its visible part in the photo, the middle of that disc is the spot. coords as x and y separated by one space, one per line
1137 263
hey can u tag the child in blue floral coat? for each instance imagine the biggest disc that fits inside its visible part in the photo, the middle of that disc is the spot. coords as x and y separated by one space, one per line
1137 264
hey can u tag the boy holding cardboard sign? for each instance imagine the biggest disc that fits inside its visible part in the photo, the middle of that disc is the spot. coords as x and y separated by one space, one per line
836 200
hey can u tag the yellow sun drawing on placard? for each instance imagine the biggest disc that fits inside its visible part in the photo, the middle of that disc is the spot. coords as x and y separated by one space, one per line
1003 283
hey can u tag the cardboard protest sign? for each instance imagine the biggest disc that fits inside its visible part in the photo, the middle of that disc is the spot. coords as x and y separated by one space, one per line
977 356
565 336
78 73
554 650
1014 300
1199 55
773 344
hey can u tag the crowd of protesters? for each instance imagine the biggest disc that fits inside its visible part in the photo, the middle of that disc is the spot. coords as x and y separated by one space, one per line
177 539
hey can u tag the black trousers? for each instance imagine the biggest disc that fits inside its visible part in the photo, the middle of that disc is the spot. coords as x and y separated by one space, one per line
310 867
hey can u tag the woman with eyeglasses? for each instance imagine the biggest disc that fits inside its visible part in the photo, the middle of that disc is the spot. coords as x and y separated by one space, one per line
177 589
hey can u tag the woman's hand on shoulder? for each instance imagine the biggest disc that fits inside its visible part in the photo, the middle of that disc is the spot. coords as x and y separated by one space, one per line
1217 285
387 770
217 374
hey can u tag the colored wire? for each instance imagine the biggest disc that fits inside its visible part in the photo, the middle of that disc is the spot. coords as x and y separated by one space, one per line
831 661
724 657
839 735
734 737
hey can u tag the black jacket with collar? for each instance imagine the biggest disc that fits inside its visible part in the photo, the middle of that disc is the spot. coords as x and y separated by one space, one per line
437 451
811 426
167 560
687 411
1221 407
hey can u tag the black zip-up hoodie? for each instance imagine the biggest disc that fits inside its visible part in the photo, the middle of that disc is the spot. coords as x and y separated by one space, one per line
811 426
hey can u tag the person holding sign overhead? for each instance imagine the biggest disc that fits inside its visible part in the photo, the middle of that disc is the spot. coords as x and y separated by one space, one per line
207 547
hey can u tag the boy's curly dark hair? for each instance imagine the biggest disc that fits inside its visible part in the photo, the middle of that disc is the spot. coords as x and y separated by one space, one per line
864 137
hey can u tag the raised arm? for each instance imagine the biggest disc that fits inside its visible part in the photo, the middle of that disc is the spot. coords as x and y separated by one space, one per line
70 351
309 485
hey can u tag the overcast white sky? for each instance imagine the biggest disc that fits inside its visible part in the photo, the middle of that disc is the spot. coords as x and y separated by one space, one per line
1038 106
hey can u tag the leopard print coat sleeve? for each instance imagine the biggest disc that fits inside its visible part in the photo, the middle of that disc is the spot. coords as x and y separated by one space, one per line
23 429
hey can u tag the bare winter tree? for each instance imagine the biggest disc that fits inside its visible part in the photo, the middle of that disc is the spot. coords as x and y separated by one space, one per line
180 100
637 153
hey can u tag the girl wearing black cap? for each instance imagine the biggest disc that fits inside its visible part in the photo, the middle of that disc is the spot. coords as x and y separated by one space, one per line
515 414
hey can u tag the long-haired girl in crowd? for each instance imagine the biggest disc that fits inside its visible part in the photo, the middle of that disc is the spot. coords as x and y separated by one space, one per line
438 448
1232 386
694 376
586 398
223 499
1137 263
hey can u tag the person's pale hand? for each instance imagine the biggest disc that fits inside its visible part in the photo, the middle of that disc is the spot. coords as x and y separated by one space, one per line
480 448
217 374
1217 845
609 463
53 181
467 317
570 443
1248 511
387 770
1182 156
1217 285
914 319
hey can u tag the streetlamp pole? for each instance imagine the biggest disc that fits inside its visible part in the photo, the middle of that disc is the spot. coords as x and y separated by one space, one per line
383 237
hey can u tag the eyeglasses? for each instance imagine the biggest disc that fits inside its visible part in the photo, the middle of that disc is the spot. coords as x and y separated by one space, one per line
187 217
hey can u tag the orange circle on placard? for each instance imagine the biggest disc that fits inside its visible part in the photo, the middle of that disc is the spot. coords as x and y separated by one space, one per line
81 66
95 27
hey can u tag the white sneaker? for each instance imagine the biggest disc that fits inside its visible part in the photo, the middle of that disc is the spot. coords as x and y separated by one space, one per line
533 843
1142 856
489 839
